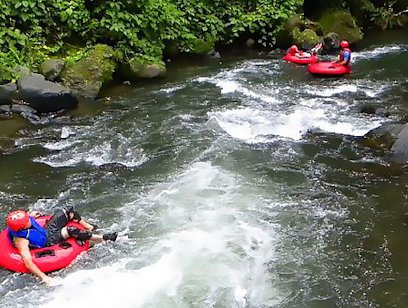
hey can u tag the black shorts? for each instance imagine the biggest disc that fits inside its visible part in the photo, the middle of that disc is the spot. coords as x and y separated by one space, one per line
54 226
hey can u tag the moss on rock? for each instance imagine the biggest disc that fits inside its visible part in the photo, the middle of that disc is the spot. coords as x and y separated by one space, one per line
140 68
343 23
88 75
306 38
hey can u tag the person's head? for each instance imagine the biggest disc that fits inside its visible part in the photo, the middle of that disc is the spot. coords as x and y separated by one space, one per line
18 220
344 44
293 49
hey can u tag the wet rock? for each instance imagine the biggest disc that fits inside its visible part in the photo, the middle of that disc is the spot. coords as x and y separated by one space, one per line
45 96
18 108
383 136
87 76
139 69
8 92
51 68
400 147
380 111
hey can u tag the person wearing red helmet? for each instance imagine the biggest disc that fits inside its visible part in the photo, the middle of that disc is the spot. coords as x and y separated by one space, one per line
294 51
344 55
25 233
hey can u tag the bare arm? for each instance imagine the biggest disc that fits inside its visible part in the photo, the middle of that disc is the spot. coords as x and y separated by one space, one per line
86 225
23 249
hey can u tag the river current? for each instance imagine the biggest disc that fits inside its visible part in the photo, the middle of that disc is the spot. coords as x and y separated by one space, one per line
232 183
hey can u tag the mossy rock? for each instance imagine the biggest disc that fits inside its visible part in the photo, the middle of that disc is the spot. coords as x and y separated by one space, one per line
302 32
87 76
200 46
306 38
138 68
343 23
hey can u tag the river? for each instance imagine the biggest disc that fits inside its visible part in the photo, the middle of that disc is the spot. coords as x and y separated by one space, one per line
236 182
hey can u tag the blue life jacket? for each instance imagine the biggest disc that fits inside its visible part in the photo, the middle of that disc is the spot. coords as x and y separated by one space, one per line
345 54
36 235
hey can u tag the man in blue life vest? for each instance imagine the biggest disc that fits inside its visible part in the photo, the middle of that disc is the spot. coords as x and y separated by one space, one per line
344 56
25 233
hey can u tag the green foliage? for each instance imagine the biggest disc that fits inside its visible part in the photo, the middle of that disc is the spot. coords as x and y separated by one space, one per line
381 16
32 30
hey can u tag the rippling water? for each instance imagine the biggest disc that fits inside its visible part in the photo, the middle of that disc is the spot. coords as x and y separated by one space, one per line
235 184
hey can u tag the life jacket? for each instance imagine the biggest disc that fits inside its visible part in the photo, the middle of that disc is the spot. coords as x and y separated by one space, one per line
36 235
342 55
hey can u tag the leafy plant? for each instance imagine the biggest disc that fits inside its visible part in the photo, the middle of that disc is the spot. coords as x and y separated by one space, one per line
32 30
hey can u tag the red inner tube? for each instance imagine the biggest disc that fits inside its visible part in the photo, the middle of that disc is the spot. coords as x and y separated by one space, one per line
327 69
297 60
48 259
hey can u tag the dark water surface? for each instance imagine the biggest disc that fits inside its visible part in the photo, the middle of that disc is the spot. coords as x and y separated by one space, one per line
233 183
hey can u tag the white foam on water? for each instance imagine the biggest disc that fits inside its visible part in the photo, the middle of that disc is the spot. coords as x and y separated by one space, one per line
59 145
206 249
378 52
85 145
263 126
172 89
105 153
327 91
233 81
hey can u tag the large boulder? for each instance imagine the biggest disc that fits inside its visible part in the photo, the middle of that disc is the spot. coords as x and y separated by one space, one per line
45 96
137 68
303 32
51 68
8 92
87 76
343 23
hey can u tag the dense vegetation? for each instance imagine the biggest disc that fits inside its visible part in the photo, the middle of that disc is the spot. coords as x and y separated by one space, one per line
32 30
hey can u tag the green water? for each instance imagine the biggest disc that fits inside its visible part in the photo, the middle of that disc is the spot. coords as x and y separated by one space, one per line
239 182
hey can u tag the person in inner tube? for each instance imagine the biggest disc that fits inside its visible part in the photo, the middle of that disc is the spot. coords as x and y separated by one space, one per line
344 55
25 233
294 51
